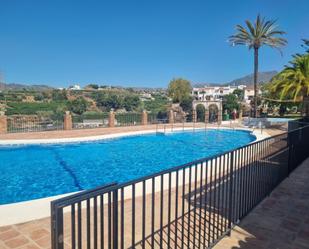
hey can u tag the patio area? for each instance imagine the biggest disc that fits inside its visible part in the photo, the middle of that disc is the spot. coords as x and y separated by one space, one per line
281 221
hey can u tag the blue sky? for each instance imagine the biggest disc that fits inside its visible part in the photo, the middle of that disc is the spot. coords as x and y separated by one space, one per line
137 43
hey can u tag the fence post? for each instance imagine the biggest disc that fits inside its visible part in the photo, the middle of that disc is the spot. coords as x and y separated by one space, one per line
144 118
115 219
194 116
207 115
3 123
231 173
111 119
56 223
219 117
290 144
240 115
67 122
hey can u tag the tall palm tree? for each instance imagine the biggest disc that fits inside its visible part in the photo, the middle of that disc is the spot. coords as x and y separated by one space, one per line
293 81
255 35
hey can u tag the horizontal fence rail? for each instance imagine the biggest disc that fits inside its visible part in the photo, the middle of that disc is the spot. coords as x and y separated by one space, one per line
190 206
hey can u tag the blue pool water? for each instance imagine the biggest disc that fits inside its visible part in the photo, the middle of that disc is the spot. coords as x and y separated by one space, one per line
36 171
279 120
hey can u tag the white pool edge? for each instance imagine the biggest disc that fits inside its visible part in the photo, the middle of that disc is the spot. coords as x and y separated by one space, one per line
257 133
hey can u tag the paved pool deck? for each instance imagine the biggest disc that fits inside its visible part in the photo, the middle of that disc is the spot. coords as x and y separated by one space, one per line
281 221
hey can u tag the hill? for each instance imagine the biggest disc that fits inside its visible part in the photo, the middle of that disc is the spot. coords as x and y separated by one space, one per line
18 87
247 80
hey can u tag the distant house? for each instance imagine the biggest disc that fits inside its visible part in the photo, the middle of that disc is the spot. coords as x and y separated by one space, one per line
74 87
29 99
209 93
213 92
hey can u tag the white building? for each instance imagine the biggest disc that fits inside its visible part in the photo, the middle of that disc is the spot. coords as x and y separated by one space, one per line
217 92
74 87
213 92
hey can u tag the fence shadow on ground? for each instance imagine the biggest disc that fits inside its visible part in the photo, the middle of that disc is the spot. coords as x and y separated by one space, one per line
208 219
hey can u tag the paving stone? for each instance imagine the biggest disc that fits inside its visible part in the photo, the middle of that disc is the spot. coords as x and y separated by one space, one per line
17 242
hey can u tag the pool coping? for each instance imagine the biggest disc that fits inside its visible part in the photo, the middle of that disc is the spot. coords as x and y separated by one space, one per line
115 135
40 208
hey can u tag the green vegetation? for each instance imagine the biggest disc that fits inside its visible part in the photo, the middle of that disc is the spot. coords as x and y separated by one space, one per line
200 113
239 93
186 104
291 86
131 102
107 101
306 45
78 106
179 89
59 95
156 105
34 108
293 81
254 36
231 102
82 101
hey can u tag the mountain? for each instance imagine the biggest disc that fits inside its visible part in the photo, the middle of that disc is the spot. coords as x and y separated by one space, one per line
17 87
247 80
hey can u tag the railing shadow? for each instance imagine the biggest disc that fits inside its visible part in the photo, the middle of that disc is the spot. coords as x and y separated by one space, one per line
211 212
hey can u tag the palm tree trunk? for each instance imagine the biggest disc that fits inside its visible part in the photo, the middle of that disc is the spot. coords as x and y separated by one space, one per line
256 69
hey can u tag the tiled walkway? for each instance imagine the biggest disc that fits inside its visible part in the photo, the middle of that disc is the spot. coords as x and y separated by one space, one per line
104 131
280 221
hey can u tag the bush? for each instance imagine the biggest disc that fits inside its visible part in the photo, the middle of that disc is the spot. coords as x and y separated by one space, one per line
78 106
33 108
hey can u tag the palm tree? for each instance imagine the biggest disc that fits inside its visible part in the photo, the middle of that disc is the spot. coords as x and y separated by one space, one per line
293 81
255 35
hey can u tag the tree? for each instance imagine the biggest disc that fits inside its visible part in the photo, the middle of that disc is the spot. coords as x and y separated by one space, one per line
293 80
59 95
230 102
239 93
78 106
254 36
38 97
179 89
93 86
159 103
306 45
108 101
186 104
131 102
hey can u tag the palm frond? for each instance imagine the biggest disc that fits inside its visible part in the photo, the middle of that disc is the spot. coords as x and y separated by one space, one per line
261 32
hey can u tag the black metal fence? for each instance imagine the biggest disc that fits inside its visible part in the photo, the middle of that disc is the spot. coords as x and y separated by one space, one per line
128 119
33 123
190 206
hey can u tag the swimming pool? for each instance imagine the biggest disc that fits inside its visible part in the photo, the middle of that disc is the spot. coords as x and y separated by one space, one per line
35 171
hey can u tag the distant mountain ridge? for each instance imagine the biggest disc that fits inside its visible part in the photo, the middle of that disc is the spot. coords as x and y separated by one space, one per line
247 80
263 77
16 87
